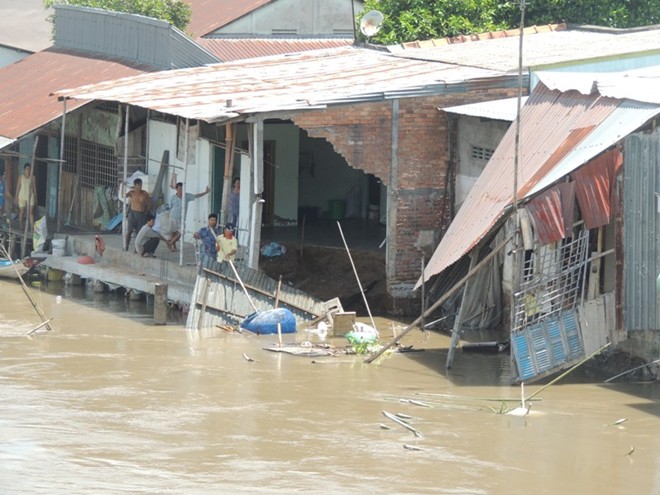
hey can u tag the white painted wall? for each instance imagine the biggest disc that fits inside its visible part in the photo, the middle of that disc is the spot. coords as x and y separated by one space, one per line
286 137
163 136
304 17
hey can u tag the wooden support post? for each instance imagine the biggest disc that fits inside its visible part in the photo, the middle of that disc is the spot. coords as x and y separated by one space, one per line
160 304
456 331
205 299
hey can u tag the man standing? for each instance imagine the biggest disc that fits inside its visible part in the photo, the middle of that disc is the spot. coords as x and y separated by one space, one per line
139 202
176 206
147 239
26 195
227 245
208 236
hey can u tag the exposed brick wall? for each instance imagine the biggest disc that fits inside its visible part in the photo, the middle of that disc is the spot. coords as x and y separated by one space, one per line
362 134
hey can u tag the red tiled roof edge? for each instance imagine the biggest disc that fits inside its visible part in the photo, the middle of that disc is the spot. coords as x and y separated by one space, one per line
484 36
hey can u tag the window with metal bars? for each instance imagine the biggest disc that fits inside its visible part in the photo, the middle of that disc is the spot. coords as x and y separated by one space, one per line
551 280
98 165
70 155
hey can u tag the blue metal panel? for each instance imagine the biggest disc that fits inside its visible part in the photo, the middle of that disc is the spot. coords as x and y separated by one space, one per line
537 335
556 342
546 345
523 356
573 336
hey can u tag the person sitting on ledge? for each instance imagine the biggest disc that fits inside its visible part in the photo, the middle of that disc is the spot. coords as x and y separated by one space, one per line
147 239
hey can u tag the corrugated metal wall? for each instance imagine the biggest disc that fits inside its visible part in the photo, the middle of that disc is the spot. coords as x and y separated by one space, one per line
641 227
219 299
140 39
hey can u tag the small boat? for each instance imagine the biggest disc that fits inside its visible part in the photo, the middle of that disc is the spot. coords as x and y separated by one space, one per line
265 322
12 269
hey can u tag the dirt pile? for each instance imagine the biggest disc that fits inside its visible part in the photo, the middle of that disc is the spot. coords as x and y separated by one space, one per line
327 273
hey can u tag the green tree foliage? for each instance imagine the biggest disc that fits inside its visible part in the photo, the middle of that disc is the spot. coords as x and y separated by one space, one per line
409 20
176 12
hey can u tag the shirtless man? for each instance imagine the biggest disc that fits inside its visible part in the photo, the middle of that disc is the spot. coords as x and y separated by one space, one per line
139 207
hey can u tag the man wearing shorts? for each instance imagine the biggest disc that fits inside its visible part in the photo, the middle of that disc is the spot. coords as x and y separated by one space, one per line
139 202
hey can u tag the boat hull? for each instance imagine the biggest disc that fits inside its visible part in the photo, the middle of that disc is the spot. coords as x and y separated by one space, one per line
12 269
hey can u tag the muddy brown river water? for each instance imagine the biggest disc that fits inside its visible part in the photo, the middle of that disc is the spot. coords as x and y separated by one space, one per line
106 403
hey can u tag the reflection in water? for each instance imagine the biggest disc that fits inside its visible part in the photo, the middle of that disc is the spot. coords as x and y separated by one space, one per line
107 404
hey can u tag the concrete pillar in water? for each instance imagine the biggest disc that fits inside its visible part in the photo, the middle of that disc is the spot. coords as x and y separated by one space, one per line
160 304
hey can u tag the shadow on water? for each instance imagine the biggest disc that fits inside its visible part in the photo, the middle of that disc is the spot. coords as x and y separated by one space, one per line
116 301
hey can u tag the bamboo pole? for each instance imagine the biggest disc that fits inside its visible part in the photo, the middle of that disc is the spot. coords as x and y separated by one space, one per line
441 300
59 169
277 293
28 295
570 370
630 371
364 298
231 263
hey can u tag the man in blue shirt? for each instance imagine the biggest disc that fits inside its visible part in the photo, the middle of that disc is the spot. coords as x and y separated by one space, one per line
208 236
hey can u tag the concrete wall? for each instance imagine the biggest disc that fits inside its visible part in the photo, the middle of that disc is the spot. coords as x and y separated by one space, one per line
474 132
299 17
163 136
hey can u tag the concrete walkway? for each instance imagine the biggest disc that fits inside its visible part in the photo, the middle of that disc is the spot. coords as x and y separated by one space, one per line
128 269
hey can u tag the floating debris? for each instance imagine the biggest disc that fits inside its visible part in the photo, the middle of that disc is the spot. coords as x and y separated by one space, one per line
617 422
410 447
416 402
384 427
400 422
403 416
248 358
632 449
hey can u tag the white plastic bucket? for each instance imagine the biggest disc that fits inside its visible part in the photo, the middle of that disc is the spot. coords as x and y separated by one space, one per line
59 246
58 243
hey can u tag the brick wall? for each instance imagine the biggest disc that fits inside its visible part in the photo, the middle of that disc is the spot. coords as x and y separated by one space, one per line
416 180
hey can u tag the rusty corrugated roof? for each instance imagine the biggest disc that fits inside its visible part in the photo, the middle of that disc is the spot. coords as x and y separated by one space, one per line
306 80
25 86
560 130
230 49
209 15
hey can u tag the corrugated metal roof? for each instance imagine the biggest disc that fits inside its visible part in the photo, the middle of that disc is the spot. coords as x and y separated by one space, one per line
285 83
504 109
25 86
553 125
540 49
229 49
637 84
209 15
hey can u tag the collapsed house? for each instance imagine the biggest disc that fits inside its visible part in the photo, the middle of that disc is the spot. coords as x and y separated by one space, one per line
569 223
